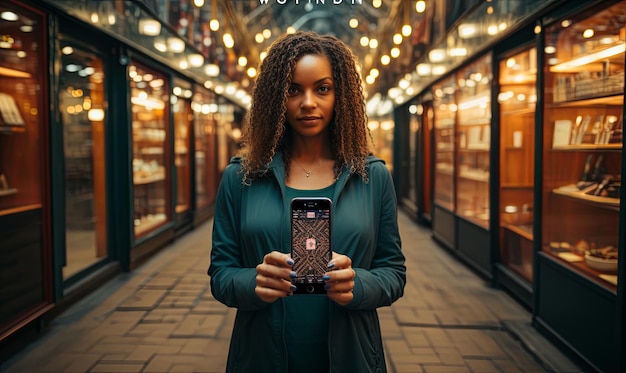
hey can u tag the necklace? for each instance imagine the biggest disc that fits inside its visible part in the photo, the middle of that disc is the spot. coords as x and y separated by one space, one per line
306 173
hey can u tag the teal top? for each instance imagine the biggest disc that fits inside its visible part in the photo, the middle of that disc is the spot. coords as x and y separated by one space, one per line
306 337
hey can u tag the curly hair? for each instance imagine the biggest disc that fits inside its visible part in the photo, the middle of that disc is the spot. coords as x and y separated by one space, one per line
265 130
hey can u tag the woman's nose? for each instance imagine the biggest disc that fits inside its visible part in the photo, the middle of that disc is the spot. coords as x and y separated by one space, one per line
308 99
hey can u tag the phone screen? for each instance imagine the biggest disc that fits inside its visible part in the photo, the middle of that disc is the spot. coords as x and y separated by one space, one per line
310 243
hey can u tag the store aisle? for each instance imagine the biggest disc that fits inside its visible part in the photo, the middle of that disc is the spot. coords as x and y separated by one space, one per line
161 318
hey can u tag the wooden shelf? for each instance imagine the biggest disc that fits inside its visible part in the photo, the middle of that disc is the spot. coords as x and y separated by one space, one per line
607 202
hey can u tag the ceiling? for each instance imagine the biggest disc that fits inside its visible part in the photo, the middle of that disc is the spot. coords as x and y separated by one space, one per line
378 20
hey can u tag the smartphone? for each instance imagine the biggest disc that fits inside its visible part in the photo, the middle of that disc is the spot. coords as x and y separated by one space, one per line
310 243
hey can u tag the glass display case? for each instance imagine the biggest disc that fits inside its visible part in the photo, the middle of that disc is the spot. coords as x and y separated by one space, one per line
474 136
151 160
183 119
25 257
204 109
517 99
583 142
445 108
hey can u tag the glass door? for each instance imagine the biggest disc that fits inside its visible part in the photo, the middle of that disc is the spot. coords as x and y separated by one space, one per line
82 107
183 119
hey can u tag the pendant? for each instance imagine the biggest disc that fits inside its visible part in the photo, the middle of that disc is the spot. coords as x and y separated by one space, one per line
308 174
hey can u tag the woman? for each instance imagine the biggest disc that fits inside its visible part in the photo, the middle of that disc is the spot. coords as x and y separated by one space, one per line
306 135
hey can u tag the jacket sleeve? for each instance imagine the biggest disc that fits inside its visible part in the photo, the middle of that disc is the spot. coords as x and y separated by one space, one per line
383 283
231 283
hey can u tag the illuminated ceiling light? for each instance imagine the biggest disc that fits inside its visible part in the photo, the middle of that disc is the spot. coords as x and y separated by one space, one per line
550 49
251 72
175 45
436 55
150 27
262 55
406 30
291 30
457 52
212 70
590 58
423 69
364 41
231 89
242 61
438 70
489 10
67 50
373 43
566 23
196 60
9 16
159 44
588 33
395 52
467 30
377 3
229 42
267 33
95 18
198 3
259 38
21 54
26 28
385 59
537 29
219 89
374 72
404 84
214 25
502 26
370 79
397 39
420 6
183 64
492 29
354 23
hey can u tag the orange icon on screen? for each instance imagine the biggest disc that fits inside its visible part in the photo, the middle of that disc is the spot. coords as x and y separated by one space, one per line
310 244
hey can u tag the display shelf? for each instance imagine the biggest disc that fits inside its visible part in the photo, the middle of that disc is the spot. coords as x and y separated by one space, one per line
572 192
7 192
588 147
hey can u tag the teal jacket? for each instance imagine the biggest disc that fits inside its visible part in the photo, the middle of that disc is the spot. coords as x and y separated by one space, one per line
249 223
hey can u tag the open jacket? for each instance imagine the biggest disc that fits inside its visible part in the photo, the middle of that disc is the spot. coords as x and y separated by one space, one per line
249 222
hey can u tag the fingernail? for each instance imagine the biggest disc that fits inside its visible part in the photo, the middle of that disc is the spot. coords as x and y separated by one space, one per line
293 274
327 287
331 264
290 262
293 288
326 277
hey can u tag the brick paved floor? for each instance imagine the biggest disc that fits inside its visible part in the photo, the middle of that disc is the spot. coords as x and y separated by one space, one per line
161 318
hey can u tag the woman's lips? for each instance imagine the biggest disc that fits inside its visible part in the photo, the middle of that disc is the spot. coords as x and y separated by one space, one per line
309 121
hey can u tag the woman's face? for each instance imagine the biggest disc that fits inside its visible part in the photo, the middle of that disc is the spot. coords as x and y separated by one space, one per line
311 96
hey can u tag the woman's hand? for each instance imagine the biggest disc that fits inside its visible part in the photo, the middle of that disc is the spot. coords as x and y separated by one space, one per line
340 279
273 277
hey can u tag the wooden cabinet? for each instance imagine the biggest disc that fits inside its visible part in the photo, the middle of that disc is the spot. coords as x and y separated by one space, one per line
517 99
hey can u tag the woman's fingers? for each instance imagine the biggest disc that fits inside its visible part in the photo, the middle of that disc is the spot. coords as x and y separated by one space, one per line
340 279
273 279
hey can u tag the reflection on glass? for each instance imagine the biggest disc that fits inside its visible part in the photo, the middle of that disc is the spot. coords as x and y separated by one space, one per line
474 136
445 108
81 104
149 98
517 99
204 111
182 129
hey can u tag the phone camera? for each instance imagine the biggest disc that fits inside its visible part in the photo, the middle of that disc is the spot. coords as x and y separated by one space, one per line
310 288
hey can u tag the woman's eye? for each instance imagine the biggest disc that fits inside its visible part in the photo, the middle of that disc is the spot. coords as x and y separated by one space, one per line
324 89
292 91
